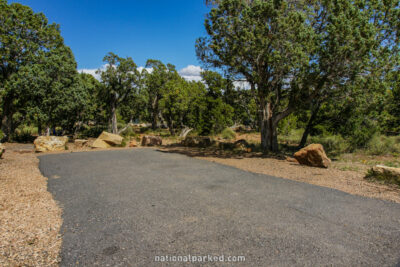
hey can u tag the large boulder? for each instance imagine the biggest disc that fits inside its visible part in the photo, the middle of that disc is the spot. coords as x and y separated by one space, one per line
197 141
98 143
313 155
385 174
2 150
112 139
50 143
149 140
106 140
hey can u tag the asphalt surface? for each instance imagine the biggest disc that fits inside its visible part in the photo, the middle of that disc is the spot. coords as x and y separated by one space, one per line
126 207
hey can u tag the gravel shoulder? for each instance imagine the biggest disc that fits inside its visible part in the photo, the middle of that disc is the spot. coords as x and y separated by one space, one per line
30 219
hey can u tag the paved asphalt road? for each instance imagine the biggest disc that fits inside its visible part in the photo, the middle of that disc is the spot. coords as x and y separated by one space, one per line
124 208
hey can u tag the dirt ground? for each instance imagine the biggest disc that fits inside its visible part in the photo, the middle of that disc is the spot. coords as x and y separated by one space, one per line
30 219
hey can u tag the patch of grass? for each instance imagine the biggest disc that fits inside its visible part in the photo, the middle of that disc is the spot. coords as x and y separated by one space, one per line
383 145
333 144
228 134
349 168
382 177
129 132
293 137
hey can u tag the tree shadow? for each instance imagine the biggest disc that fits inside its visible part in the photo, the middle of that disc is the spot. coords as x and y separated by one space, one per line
217 152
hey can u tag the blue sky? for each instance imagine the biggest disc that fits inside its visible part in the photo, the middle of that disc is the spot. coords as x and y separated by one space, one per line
157 29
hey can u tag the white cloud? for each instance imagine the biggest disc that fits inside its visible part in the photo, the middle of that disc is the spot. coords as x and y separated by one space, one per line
103 68
93 71
149 70
191 73
242 85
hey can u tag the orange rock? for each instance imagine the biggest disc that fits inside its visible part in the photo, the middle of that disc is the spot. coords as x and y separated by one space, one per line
133 143
313 155
290 159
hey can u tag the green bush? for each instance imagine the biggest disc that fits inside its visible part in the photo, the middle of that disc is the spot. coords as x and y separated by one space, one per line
93 131
333 144
129 131
22 136
383 177
1 135
381 145
228 134
293 137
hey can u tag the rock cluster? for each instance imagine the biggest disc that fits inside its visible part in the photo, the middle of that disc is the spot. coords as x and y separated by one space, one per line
313 155
50 143
150 140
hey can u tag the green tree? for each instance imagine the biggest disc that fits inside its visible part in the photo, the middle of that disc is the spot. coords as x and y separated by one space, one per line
155 84
356 45
175 102
264 43
217 114
291 52
119 80
23 36
47 91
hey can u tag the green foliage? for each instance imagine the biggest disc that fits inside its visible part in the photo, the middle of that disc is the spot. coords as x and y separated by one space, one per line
383 177
25 37
383 145
129 132
291 138
120 80
333 144
228 134
92 131
294 53
22 136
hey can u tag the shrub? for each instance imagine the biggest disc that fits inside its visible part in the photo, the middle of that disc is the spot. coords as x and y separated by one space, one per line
1 135
228 134
333 144
386 177
93 131
381 144
22 136
293 137
129 131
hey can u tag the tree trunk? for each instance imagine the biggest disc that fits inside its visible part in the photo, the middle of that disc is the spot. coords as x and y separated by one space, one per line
39 128
114 126
269 136
154 107
310 124
170 124
6 120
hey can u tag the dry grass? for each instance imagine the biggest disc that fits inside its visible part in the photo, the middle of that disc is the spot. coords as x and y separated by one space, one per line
30 219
